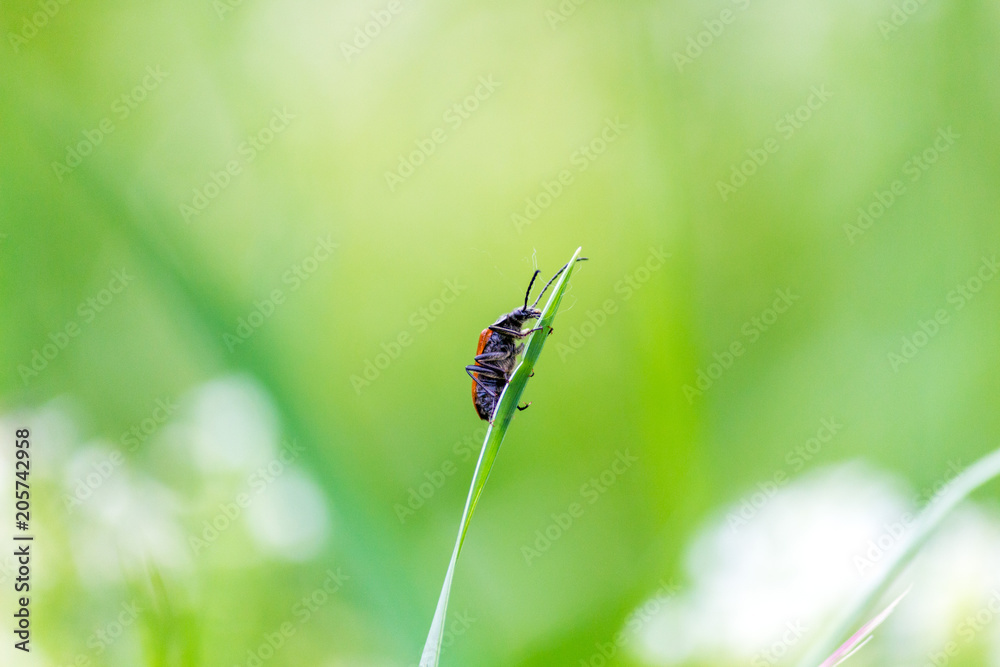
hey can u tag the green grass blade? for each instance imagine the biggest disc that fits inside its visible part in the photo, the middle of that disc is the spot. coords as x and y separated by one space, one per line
981 472
862 636
491 446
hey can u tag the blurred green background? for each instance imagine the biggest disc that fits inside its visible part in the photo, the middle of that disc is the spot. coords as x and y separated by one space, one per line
233 225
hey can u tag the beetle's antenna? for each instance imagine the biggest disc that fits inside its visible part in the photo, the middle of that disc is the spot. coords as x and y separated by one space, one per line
529 288
579 259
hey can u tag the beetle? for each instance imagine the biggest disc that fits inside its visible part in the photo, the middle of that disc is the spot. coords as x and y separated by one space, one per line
496 354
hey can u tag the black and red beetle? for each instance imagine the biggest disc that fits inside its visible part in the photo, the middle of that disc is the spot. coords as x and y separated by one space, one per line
496 354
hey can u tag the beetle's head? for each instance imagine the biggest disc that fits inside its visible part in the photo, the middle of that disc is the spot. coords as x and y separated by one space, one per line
526 313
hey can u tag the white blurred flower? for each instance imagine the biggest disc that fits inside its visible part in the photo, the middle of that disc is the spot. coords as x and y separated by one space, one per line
235 425
218 452
289 518
130 522
762 587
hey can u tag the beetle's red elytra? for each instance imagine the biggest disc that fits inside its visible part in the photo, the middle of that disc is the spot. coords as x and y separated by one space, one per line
496 353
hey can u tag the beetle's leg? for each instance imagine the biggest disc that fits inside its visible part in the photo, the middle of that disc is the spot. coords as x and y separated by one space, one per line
490 356
511 332
499 355
524 407
494 371
468 369
487 371
524 334
506 332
